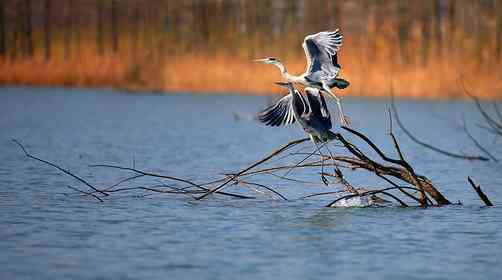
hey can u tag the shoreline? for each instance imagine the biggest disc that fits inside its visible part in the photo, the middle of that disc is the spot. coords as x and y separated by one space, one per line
147 91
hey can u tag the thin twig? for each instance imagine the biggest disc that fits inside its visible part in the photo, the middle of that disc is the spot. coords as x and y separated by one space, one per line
478 145
280 150
493 123
166 177
305 158
58 168
429 146
322 193
86 193
265 187
497 111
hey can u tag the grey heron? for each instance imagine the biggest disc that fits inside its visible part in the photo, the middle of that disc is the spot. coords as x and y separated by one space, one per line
322 65
310 111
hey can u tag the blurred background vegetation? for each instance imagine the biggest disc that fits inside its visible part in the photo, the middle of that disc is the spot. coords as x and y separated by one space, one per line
207 46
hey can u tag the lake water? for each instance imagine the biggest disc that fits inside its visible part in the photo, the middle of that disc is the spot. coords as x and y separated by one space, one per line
45 233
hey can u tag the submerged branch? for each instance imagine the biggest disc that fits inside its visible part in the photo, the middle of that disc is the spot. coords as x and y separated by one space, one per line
480 193
149 174
67 172
406 173
86 193
265 187
372 192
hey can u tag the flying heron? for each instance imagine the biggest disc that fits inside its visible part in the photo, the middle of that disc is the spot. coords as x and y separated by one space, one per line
322 65
310 111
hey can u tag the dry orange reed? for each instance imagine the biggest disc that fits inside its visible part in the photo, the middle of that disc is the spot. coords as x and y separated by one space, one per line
223 73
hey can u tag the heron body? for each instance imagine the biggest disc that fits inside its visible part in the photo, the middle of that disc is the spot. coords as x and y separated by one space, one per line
322 65
308 109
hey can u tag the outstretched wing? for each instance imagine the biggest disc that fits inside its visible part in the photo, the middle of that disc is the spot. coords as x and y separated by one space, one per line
318 107
281 113
321 52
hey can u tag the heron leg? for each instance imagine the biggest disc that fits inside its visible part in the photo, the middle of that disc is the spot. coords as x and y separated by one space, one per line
305 158
332 157
323 178
343 119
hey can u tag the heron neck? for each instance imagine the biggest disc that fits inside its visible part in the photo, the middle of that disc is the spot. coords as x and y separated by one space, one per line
282 68
286 75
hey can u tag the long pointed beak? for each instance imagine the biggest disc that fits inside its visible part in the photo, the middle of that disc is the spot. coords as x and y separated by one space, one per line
281 83
284 84
262 60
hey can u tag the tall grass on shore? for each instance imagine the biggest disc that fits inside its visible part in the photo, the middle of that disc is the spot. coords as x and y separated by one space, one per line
424 47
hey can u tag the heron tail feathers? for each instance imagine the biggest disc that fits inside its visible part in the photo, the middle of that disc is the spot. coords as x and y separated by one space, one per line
339 83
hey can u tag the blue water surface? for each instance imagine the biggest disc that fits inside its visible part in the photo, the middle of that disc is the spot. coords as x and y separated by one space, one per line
49 232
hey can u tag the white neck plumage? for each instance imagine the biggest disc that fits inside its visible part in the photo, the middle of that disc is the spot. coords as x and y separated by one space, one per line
284 72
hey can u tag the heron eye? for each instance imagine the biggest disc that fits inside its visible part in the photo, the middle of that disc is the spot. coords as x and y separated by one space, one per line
271 58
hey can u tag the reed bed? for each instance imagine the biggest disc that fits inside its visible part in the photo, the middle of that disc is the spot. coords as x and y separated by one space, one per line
222 73
424 47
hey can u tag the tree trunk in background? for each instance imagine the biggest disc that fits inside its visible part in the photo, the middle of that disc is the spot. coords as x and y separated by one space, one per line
16 43
99 27
115 27
452 24
426 32
3 35
438 34
480 33
135 30
498 31
47 29
403 29
68 30
28 29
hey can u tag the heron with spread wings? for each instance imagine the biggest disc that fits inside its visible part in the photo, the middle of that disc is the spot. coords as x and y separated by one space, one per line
321 50
308 109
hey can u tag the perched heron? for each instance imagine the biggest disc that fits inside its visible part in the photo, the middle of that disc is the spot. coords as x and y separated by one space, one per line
322 65
310 111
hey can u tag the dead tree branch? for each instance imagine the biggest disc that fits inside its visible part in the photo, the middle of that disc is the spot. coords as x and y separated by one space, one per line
494 124
149 174
476 143
480 193
86 193
429 146
406 173
280 150
67 172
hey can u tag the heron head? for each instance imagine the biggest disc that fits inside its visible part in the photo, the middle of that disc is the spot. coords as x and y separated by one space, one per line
287 85
268 60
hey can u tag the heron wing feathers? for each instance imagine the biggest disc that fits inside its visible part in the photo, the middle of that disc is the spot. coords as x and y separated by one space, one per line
318 106
321 52
281 113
